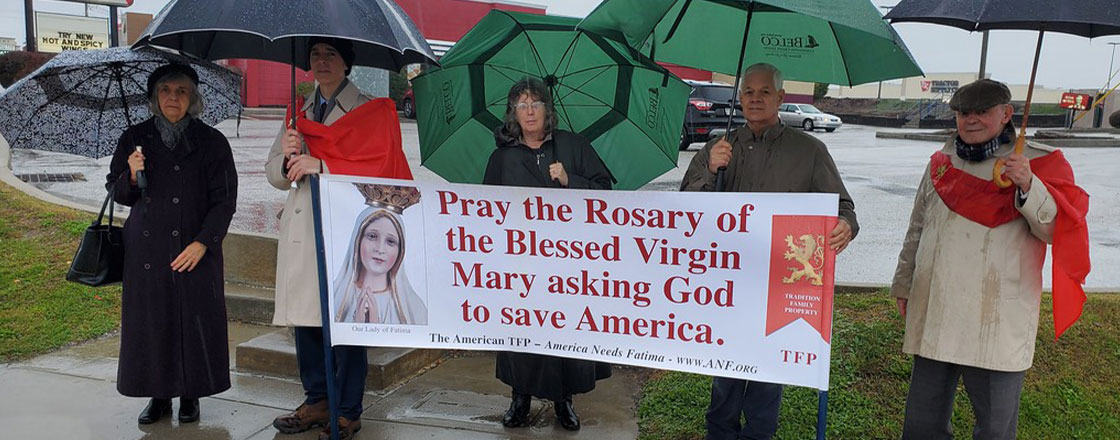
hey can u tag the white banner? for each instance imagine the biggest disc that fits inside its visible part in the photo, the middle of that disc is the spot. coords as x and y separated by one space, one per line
735 285
58 32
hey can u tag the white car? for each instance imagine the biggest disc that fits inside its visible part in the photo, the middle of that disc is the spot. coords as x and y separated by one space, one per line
808 117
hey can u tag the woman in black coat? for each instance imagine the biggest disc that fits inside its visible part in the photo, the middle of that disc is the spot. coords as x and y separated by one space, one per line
531 152
178 176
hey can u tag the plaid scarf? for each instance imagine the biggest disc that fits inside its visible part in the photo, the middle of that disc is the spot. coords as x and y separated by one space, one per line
980 152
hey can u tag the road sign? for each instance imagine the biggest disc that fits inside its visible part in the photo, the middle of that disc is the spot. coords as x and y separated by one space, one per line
1076 101
58 32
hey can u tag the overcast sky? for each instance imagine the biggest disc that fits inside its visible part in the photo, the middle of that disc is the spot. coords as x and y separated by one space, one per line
1067 61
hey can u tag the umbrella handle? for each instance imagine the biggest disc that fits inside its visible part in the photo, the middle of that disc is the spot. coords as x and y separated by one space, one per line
997 169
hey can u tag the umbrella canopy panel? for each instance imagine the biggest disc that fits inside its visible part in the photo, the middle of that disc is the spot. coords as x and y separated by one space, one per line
630 108
842 42
384 36
81 101
1087 18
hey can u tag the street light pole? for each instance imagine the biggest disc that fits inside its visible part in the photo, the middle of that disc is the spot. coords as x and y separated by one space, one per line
29 22
983 55
1108 84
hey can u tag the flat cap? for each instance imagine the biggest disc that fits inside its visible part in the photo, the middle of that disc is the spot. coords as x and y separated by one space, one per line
980 95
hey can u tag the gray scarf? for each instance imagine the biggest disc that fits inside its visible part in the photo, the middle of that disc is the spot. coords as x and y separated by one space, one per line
172 134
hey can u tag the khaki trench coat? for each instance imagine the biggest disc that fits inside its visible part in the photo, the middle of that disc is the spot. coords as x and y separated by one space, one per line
973 292
297 273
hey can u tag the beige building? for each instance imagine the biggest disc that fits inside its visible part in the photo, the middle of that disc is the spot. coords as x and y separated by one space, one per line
937 86
792 87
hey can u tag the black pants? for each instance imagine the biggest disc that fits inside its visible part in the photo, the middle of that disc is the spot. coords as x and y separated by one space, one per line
350 365
933 385
758 401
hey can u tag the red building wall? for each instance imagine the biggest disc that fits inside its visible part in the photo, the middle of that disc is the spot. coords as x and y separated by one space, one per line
267 83
449 20
688 72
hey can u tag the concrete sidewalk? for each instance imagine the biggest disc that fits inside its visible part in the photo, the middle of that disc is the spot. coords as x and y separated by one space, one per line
71 394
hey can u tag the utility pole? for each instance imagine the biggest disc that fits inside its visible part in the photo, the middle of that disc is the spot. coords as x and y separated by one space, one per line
1108 84
983 56
114 32
29 22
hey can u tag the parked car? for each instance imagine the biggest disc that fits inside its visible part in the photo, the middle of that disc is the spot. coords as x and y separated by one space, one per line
808 117
708 108
408 104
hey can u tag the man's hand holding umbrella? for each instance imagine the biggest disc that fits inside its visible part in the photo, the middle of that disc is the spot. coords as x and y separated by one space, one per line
299 164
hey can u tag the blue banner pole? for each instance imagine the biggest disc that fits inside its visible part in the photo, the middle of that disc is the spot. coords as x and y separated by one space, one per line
822 413
328 350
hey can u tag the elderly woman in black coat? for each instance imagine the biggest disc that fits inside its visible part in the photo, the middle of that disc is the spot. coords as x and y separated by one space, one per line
178 176
532 152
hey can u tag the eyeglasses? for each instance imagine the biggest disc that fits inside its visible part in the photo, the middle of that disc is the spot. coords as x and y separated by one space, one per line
524 106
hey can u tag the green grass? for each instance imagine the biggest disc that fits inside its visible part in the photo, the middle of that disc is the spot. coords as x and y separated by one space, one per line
895 106
1071 392
40 310
1047 109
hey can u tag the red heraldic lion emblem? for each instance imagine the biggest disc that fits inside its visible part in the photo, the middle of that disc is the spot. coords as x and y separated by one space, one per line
801 273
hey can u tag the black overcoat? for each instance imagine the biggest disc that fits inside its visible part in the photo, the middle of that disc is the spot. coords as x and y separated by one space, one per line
514 164
173 325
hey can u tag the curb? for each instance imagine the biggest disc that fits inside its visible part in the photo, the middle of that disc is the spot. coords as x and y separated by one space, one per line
1053 142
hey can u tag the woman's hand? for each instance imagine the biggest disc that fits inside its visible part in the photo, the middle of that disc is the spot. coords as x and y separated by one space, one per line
135 164
303 165
189 258
557 173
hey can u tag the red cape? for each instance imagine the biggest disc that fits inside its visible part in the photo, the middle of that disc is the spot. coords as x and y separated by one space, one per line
364 142
983 202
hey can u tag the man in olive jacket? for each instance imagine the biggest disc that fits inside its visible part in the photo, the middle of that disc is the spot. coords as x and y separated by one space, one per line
765 157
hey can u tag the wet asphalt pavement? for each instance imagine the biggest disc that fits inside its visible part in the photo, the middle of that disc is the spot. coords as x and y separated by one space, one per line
881 174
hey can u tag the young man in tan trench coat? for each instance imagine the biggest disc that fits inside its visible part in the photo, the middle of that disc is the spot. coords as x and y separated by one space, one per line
297 271
969 277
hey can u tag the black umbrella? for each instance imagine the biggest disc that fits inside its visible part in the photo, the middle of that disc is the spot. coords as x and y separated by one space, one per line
80 102
1087 18
383 35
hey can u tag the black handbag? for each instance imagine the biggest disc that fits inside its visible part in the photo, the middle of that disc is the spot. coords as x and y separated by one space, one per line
99 260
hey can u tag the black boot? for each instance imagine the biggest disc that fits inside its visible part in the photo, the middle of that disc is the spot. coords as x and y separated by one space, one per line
518 414
156 409
566 413
188 410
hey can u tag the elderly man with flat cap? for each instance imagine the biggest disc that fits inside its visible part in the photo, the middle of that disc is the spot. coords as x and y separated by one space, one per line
969 277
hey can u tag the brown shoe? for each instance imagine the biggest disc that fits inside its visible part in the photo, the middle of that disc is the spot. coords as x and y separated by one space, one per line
305 417
346 429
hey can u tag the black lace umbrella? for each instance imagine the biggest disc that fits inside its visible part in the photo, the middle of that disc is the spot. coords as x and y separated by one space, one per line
80 102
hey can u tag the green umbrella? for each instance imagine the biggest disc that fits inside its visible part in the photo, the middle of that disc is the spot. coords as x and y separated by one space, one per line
630 108
842 42
834 42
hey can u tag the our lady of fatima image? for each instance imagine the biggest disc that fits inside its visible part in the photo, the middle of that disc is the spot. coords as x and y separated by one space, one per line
372 286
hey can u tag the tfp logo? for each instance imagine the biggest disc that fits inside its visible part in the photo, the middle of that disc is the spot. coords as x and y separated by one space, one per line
447 94
782 41
652 113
